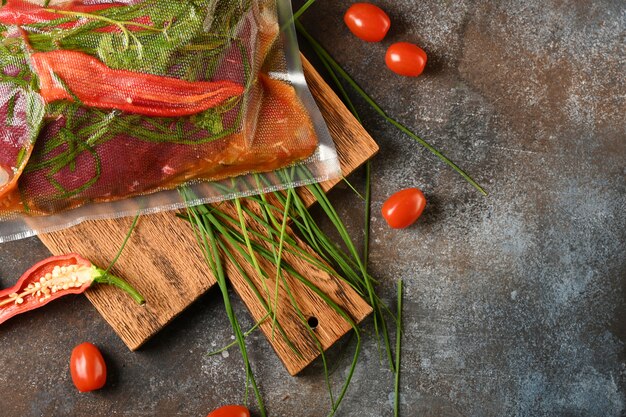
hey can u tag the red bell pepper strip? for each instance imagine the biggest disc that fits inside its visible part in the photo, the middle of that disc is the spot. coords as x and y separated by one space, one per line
71 75
21 12
53 278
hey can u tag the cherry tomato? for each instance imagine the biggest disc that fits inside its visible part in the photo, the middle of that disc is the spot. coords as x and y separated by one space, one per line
406 59
230 411
404 207
89 372
367 22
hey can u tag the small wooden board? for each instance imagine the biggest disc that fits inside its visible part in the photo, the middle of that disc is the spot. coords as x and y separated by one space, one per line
163 261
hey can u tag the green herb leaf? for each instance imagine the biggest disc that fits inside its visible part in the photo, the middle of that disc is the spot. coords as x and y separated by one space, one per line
209 120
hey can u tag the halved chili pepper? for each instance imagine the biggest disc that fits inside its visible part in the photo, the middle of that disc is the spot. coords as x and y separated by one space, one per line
72 75
21 12
53 278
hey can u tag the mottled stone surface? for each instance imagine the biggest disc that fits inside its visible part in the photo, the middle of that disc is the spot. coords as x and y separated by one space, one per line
514 302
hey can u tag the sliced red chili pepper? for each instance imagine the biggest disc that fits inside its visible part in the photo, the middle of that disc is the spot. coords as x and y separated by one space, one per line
21 12
71 75
53 278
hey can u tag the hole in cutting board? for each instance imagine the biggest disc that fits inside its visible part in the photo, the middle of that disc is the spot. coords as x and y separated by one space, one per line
313 322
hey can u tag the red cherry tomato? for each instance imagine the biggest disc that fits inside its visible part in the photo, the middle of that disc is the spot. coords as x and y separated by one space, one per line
367 22
230 411
89 372
404 207
406 59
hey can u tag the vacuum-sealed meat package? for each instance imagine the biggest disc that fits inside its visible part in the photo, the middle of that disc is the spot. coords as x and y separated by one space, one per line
107 108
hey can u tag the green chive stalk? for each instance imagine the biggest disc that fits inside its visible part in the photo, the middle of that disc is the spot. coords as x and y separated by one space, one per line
396 398
206 238
330 61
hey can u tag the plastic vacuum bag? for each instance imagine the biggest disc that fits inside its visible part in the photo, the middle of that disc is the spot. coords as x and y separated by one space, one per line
107 108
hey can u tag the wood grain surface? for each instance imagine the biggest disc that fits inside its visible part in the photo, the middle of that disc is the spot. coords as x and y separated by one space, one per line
163 261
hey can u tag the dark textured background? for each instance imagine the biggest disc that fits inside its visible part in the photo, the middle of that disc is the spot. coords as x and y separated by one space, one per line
514 302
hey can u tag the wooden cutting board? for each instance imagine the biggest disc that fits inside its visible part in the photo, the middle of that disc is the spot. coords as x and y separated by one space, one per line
163 261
